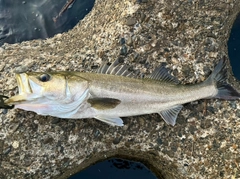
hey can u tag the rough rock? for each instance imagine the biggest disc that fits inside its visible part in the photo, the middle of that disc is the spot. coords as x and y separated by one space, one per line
188 36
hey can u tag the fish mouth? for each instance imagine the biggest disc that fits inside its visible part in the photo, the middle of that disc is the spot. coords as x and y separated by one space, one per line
24 88
23 83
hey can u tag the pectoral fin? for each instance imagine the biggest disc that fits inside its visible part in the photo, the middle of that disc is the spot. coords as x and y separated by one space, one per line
170 115
103 103
113 121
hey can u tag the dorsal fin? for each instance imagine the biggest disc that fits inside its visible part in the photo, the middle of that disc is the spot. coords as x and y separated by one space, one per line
115 68
103 68
161 74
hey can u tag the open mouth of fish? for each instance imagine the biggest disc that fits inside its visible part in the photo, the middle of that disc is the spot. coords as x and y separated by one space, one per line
26 90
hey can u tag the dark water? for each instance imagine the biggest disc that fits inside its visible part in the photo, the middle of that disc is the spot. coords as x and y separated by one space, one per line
234 48
33 19
115 169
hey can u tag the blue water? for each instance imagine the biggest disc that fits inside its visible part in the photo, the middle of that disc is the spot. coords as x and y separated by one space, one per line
234 48
115 169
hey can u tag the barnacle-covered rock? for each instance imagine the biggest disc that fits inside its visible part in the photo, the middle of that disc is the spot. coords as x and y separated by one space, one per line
187 36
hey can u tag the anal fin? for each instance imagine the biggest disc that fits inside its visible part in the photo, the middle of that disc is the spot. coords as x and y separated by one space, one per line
170 115
113 121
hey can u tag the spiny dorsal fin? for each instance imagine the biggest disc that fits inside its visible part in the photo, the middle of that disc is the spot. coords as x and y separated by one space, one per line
161 74
170 115
103 103
103 69
115 68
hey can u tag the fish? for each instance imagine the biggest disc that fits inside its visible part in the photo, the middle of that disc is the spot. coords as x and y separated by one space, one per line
114 92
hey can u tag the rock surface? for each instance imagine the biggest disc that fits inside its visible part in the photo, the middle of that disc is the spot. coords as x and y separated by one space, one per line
188 36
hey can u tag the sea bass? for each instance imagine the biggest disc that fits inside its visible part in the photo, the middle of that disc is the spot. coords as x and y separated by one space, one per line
111 93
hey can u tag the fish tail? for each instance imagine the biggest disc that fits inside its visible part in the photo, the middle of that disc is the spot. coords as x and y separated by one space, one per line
219 79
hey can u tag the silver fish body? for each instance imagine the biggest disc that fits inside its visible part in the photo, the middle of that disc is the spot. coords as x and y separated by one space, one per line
111 94
141 96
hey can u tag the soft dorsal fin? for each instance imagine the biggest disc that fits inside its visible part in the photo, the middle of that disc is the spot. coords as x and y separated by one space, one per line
170 115
162 74
115 68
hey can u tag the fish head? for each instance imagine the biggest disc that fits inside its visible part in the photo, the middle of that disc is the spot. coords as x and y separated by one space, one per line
48 93
36 85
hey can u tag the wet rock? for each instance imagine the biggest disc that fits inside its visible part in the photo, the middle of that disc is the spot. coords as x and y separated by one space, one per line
142 1
48 140
130 21
55 120
122 41
205 124
159 141
117 140
7 150
15 144
123 50
157 32
21 69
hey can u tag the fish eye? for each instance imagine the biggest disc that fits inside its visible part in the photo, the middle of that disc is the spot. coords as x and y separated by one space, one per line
44 77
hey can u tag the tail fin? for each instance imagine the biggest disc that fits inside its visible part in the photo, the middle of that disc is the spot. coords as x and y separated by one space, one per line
219 77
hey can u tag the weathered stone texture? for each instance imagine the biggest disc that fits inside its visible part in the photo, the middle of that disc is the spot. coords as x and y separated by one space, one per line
189 36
